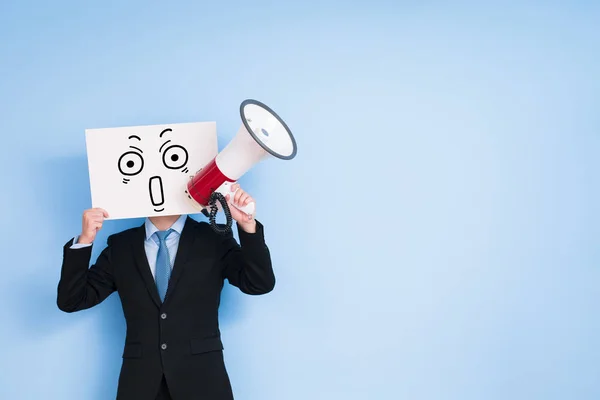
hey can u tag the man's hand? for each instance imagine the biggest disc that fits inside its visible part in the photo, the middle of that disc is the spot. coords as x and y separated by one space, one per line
241 198
91 224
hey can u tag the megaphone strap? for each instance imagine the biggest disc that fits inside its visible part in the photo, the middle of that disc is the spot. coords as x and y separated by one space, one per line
214 197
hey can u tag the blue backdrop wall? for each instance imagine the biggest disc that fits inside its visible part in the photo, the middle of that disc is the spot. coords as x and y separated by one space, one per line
435 238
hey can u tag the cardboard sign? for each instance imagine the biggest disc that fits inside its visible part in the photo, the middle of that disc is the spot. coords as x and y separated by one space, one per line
142 171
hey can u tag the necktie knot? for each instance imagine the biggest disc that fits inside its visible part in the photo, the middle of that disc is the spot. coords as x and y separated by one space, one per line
162 235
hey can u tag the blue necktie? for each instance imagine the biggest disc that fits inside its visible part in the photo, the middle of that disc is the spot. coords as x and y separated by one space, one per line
163 264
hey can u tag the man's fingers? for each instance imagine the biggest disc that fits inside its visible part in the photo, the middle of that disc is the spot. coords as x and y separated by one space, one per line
95 224
95 217
240 198
238 194
96 211
100 211
244 199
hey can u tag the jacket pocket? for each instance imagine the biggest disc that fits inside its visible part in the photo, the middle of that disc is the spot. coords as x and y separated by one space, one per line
132 350
199 346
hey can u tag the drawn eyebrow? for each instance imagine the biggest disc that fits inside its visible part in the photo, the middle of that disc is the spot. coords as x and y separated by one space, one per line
166 130
163 145
135 137
133 147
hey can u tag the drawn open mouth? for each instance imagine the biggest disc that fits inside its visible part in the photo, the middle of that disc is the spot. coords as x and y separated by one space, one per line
157 195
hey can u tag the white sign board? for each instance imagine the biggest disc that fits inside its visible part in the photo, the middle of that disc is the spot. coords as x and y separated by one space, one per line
142 171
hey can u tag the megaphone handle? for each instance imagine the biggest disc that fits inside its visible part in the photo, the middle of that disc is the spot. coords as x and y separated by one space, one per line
248 208
225 189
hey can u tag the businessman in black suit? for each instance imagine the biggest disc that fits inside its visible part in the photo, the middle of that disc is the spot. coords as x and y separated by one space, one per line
173 347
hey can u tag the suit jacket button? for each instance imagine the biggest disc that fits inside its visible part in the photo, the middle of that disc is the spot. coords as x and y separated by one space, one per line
163 316
163 346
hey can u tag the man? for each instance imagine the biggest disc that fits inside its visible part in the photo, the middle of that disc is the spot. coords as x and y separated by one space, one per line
169 274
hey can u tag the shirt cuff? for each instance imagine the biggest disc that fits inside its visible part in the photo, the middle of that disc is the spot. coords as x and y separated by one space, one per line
76 245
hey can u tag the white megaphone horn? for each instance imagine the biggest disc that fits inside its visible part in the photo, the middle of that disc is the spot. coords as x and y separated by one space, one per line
262 134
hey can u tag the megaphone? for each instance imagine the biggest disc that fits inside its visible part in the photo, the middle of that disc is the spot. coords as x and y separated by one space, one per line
262 134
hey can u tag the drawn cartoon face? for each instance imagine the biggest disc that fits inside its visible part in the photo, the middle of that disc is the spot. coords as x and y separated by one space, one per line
142 171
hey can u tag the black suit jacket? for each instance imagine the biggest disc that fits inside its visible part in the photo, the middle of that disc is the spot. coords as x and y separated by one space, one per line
179 338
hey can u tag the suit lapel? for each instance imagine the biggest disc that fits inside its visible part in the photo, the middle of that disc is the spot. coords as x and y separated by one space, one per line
184 251
141 261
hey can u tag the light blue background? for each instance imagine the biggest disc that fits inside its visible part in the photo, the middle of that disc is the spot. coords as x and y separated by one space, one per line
435 238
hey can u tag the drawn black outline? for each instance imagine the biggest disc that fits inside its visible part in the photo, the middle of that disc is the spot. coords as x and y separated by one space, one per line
163 145
245 121
130 152
135 136
167 150
137 148
162 192
165 130
161 210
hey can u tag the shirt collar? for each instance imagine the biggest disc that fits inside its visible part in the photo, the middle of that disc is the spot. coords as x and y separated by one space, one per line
177 226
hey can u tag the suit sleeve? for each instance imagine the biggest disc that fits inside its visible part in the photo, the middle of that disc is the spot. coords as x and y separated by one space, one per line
81 286
247 265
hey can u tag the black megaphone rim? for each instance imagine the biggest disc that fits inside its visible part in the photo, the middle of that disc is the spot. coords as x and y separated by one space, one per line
261 144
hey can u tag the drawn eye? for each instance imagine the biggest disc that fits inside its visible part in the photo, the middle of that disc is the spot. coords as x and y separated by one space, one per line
175 157
131 163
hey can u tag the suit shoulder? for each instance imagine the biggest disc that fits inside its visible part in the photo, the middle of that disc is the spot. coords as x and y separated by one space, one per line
200 227
204 229
126 235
